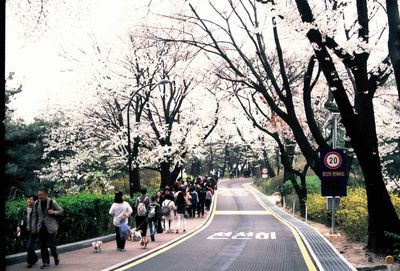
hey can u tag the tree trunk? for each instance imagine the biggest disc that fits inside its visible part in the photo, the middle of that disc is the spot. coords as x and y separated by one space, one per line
301 190
135 170
381 214
271 172
174 175
301 194
394 38
136 179
165 174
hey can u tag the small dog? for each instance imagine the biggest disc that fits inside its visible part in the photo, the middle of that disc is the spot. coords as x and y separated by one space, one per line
144 242
97 246
136 235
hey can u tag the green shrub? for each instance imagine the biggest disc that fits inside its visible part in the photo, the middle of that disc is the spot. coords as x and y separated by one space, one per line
85 216
316 206
353 214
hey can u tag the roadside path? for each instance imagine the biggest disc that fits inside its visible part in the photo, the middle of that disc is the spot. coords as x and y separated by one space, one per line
86 260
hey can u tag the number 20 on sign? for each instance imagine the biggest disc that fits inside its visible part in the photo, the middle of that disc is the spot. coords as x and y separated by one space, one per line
333 160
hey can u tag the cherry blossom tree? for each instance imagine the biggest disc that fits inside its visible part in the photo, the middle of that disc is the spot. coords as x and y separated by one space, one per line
359 118
344 65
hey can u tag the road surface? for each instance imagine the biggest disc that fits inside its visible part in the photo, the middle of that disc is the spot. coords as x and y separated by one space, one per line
242 234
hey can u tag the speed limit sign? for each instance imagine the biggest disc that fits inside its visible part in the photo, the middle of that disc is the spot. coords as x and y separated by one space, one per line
264 171
334 173
333 160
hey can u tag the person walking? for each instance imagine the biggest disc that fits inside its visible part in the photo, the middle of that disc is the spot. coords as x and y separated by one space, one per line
180 212
208 199
195 201
168 211
188 199
44 223
153 217
140 208
201 191
159 200
120 211
24 229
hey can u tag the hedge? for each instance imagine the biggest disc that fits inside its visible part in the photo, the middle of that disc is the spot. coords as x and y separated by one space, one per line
85 216
271 185
352 216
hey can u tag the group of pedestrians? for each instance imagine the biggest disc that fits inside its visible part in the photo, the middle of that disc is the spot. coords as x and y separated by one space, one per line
166 211
39 220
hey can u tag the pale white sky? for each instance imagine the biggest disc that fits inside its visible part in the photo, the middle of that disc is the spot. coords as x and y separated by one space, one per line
48 79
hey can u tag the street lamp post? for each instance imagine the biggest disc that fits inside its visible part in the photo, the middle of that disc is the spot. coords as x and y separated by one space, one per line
132 186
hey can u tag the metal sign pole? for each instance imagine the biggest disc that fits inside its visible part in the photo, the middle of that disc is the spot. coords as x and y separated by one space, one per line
334 133
334 143
333 215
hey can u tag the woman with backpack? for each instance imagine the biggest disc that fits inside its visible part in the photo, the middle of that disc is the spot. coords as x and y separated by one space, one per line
140 208
180 210
153 216
120 210
168 211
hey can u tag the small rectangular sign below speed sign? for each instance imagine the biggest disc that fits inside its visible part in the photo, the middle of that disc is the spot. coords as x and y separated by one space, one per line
334 172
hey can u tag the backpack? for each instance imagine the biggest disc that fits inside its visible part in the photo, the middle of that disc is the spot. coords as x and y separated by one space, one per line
141 208
152 211
194 198
166 209
202 194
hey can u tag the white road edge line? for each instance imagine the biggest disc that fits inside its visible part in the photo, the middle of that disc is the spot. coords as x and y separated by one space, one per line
307 243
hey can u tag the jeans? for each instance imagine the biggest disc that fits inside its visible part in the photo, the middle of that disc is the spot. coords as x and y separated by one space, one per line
200 208
32 258
46 241
192 211
120 242
208 204
153 226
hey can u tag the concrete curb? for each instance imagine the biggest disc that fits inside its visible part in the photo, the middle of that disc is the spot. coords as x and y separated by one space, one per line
21 257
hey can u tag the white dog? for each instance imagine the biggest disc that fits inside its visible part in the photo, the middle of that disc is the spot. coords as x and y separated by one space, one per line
97 246
136 235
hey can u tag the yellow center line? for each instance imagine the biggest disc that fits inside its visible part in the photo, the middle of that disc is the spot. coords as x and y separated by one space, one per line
306 255
164 249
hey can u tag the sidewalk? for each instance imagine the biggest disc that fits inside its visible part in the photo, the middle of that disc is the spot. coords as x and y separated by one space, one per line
86 260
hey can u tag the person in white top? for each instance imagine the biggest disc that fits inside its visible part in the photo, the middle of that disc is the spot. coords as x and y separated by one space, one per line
169 215
120 210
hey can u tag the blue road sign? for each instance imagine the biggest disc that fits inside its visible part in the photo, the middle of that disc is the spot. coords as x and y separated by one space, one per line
334 172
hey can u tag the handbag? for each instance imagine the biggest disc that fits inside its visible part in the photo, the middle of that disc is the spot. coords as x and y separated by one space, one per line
124 231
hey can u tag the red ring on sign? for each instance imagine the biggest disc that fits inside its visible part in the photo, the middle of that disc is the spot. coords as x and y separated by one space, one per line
339 158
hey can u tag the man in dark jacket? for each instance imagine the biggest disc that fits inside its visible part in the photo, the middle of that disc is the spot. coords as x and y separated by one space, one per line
44 223
24 229
201 191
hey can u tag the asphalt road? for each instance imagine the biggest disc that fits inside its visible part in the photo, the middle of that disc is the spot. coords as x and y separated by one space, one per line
241 235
